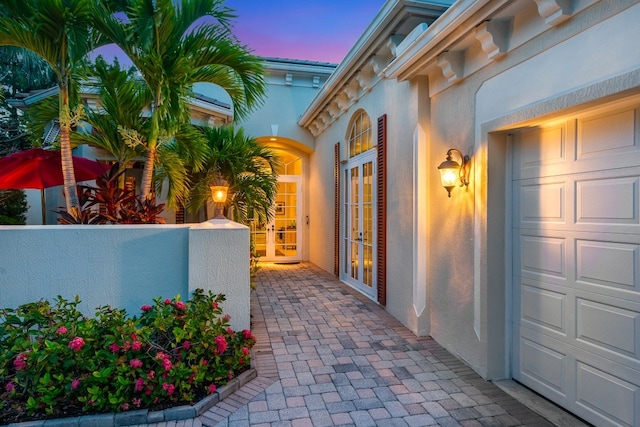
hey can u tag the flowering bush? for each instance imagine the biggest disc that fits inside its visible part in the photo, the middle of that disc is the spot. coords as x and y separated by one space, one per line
55 362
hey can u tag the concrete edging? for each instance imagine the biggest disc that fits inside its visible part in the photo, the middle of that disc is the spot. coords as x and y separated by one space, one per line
144 416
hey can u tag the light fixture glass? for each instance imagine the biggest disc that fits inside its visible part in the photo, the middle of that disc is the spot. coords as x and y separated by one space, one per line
453 173
219 188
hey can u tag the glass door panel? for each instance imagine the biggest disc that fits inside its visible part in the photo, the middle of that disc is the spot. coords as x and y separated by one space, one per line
279 240
359 233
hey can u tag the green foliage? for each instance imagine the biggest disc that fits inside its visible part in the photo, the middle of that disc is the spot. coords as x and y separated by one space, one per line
57 362
118 205
13 207
250 169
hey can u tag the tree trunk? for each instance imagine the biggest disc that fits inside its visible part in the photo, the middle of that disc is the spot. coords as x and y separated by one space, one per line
147 174
68 174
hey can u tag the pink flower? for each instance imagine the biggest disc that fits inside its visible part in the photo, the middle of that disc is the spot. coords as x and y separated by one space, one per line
146 308
10 387
126 346
125 406
205 362
166 364
114 347
230 331
136 345
139 384
169 388
76 344
227 317
247 334
151 375
167 301
230 375
61 330
75 383
245 351
214 305
221 343
20 362
136 402
180 305
211 389
135 363
186 345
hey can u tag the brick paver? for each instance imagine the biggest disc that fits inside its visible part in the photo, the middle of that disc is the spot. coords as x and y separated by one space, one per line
327 355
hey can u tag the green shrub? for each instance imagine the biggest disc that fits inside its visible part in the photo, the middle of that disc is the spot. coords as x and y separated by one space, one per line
56 362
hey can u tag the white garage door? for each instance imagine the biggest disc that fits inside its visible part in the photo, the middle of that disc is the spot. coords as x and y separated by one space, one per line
576 264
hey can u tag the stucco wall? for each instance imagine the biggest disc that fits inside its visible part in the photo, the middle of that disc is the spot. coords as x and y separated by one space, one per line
587 58
399 101
126 266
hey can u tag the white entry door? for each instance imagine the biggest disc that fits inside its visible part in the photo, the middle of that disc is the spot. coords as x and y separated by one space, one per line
576 265
280 239
358 242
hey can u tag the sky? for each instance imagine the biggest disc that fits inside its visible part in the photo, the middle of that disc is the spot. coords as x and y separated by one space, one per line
314 30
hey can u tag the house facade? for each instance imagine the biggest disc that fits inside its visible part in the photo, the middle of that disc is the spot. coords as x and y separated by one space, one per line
531 270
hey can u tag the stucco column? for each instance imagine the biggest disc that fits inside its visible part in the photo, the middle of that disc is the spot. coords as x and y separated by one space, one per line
219 261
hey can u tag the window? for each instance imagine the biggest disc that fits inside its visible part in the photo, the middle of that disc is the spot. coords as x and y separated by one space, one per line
359 138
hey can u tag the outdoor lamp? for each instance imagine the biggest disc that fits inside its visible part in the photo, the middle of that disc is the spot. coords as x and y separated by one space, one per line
219 188
451 172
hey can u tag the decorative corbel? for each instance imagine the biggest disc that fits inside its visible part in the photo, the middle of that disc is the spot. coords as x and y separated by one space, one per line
493 36
378 64
554 12
351 90
452 65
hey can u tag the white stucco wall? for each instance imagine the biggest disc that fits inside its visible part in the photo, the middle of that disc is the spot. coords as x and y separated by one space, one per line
587 58
126 266
399 101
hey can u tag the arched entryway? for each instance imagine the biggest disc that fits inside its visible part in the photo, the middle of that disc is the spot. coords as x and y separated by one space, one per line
281 239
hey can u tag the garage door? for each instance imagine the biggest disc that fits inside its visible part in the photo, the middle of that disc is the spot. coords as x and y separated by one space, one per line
576 264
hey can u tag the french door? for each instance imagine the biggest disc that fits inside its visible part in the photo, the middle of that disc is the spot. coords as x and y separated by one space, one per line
280 239
358 240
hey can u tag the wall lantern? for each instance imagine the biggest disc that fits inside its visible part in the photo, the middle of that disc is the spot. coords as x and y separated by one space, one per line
452 173
219 188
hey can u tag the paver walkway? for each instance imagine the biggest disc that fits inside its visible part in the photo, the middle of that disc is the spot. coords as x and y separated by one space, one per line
326 355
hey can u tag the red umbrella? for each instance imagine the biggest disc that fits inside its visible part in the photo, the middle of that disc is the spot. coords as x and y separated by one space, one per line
40 169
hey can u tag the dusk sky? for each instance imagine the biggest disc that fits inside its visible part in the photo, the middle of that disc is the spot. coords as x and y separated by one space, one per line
316 30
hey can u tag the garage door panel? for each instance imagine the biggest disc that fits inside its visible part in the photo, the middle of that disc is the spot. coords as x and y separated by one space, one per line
609 328
608 265
540 148
543 256
543 367
543 202
543 308
609 134
611 400
607 201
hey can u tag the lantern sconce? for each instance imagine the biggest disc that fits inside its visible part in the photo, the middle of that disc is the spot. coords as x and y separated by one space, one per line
452 173
219 188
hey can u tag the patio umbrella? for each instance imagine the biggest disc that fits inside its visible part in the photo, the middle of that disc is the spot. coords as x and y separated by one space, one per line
39 169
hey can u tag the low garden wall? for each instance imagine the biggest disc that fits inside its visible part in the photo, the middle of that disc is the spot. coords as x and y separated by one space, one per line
126 266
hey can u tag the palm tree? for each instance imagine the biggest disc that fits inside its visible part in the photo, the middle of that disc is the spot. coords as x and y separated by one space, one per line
173 47
59 32
120 127
250 169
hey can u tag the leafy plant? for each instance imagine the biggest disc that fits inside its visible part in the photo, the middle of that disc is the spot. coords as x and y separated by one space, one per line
13 207
119 205
57 362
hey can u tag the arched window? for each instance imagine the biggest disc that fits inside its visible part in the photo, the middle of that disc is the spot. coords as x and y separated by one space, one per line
359 136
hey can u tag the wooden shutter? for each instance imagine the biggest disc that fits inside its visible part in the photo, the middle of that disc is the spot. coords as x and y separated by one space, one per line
336 230
381 209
